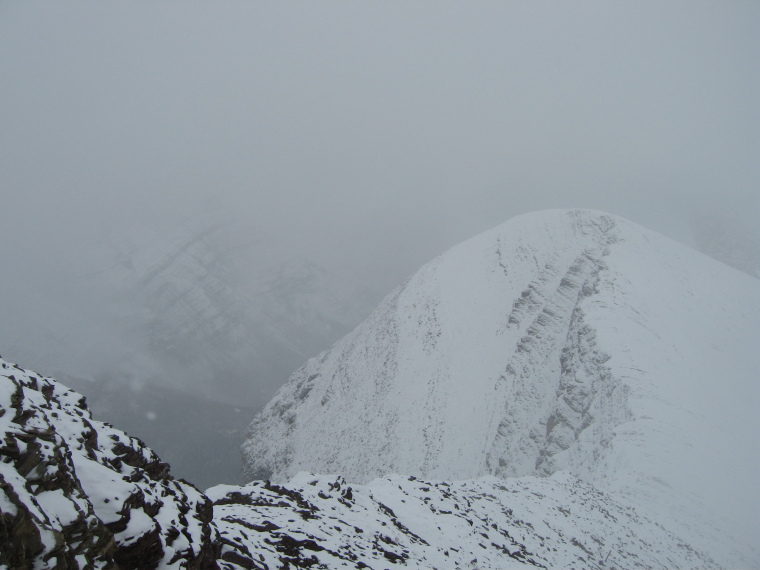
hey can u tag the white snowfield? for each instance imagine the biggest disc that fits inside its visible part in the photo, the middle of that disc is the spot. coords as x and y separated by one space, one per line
561 342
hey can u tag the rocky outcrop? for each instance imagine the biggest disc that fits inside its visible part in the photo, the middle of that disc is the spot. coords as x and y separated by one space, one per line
539 421
77 493
322 522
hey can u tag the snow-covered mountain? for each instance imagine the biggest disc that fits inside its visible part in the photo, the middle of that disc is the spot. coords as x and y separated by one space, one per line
204 305
560 342
568 390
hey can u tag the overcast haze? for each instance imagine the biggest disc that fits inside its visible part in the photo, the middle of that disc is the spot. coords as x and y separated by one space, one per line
366 137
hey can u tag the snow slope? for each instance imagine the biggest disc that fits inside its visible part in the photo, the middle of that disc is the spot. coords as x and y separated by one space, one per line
560 341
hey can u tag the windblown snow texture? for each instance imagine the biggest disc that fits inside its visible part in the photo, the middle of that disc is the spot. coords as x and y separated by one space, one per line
568 341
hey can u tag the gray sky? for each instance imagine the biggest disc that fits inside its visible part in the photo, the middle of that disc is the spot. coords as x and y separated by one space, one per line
366 135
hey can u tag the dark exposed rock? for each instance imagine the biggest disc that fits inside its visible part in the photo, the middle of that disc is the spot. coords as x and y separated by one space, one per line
77 493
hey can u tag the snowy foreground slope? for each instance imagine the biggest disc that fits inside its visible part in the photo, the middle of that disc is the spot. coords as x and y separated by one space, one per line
560 342
78 493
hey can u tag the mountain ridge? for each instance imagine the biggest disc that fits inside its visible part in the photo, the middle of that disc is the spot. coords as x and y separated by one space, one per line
78 493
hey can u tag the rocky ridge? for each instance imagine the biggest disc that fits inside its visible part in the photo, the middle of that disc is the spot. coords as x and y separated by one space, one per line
77 493
559 522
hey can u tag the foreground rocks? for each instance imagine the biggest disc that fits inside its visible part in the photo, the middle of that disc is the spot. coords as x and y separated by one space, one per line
77 493
558 522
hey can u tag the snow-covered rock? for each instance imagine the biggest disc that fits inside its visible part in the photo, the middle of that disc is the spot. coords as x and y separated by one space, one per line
487 523
562 341
77 493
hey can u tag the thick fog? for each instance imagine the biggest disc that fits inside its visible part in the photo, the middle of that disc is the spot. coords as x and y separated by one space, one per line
298 160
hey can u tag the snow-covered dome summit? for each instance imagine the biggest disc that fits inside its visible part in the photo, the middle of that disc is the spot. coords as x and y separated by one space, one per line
561 340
